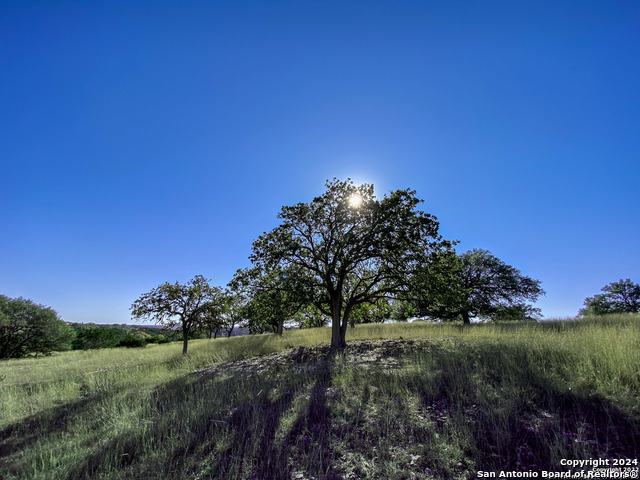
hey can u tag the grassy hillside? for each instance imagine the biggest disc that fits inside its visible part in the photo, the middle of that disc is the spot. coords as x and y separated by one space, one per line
406 401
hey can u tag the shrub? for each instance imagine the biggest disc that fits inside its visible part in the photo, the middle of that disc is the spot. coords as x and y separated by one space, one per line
132 341
94 337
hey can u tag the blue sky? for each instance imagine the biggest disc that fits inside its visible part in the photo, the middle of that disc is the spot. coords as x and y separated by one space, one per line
144 142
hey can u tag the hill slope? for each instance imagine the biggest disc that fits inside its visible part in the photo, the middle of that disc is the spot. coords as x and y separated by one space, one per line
424 401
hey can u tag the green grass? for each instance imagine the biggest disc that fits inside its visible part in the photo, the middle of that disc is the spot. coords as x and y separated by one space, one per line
459 400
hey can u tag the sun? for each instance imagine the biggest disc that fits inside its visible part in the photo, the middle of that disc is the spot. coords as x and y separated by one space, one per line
355 200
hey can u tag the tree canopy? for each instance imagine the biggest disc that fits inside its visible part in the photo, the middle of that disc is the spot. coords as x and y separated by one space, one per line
622 296
350 248
274 296
478 284
28 328
182 307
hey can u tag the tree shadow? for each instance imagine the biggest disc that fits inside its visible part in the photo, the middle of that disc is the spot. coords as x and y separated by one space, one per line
231 426
211 440
25 433
526 432
45 427
312 432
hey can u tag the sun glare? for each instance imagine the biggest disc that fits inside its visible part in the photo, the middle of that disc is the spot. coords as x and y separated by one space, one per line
355 200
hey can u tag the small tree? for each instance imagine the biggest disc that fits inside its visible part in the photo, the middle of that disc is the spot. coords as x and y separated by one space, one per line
518 312
26 328
211 319
177 306
350 248
234 314
619 297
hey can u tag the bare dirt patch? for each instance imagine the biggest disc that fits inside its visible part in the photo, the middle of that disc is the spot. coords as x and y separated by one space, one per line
384 353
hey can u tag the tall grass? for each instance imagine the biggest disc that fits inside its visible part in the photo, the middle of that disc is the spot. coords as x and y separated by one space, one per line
457 400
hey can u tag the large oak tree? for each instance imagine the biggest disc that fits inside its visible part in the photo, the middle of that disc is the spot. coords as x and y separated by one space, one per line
350 248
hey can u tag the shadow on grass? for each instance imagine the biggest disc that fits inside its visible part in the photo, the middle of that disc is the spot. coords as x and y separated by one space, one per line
24 434
518 415
486 408
208 427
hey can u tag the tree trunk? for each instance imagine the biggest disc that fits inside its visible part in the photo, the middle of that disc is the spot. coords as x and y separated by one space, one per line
185 341
465 318
338 342
280 327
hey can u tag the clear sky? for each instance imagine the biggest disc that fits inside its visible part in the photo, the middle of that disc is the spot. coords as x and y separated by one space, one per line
144 142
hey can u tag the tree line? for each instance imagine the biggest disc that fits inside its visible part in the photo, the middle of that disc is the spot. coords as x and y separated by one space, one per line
347 257
28 328
344 258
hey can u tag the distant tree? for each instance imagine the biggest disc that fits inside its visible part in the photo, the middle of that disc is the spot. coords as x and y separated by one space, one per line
310 317
235 312
350 248
94 337
211 319
274 296
28 328
133 340
375 312
177 306
518 312
619 297
402 310
437 289
483 285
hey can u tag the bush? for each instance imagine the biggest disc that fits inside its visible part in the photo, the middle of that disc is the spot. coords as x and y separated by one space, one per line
94 337
28 328
133 341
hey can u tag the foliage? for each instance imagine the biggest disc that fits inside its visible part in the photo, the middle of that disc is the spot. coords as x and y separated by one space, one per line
214 318
403 310
234 313
482 285
133 340
176 306
619 297
274 296
28 328
94 337
374 312
310 317
437 288
349 253
519 312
